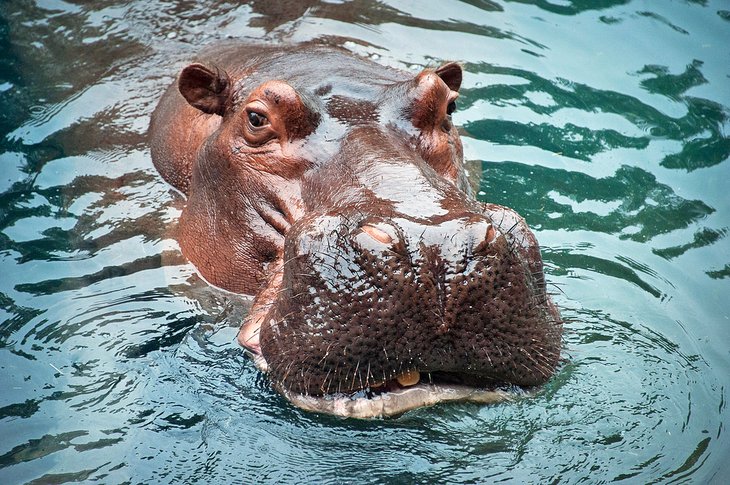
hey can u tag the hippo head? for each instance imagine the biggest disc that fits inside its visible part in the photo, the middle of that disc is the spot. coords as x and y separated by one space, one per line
333 189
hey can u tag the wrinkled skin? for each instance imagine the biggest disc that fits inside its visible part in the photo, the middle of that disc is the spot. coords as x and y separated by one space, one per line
333 189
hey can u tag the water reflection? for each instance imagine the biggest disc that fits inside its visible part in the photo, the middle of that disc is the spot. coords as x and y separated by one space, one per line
575 6
604 123
644 208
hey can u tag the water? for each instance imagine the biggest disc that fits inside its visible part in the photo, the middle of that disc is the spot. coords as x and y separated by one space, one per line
604 123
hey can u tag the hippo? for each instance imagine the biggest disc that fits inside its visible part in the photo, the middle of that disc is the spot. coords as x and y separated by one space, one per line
333 190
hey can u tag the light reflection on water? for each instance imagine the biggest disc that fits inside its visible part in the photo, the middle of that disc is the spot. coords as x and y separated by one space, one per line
603 123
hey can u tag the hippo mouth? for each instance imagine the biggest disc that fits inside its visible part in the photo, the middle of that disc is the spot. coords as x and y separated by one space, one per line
396 402
391 398
409 391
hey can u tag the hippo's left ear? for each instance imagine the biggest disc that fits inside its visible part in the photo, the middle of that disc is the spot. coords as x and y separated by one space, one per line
451 74
205 88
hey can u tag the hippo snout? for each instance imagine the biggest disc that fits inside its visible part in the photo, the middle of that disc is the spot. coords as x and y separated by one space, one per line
371 302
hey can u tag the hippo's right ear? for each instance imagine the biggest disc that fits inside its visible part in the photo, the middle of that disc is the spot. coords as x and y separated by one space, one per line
451 74
205 88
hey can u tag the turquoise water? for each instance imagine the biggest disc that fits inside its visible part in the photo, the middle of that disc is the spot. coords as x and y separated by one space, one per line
605 123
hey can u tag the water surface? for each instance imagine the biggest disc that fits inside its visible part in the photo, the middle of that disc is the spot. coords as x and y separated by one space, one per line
604 123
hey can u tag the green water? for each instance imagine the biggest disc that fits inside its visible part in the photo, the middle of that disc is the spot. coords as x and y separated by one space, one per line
604 123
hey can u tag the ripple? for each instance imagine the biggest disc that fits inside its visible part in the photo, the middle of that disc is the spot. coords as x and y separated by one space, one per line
603 123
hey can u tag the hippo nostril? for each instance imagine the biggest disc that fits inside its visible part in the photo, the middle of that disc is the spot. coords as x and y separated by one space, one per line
376 237
490 237
377 234
491 234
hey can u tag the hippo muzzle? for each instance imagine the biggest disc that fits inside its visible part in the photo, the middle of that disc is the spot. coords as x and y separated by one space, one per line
383 304
333 189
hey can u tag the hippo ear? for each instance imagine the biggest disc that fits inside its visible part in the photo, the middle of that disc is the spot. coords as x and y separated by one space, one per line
451 74
205 88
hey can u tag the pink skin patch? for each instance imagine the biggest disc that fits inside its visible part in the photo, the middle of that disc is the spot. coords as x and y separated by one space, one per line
377 234
249 334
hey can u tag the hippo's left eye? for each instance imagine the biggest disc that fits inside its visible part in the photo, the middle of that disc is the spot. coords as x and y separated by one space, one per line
257 120
451 107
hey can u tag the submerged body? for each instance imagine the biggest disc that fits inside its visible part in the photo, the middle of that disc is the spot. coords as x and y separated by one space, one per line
333 189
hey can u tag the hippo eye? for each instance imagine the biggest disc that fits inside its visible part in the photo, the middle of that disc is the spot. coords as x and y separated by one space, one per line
257 120
451 107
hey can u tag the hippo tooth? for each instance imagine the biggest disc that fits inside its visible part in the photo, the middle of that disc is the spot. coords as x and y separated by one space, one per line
377 385
409 378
